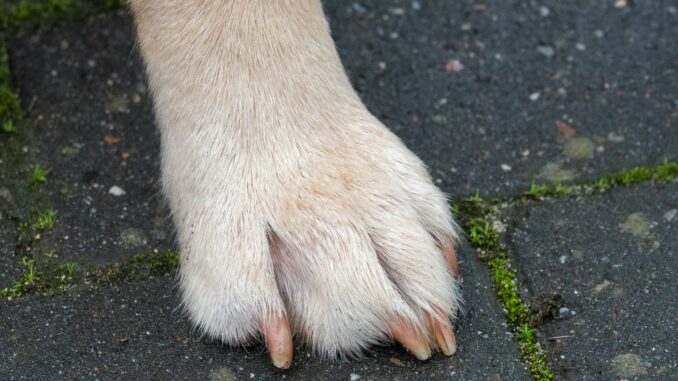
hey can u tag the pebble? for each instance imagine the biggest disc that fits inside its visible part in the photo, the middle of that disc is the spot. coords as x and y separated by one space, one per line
670 215
563 311
615 138
359 8
535 96
117 191
546 50
397 11
355 377
620 4
562 259
506 168
601 286
454 66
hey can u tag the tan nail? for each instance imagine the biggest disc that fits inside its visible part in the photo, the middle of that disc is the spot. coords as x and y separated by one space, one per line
407 337
445 338
278 337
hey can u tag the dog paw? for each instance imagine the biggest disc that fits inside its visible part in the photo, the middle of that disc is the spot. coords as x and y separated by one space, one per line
339 239
298 213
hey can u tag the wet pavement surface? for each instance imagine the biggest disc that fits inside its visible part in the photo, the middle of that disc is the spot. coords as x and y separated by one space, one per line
614 262
492 95
135 331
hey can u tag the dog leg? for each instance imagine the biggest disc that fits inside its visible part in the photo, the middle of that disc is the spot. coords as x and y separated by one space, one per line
297 211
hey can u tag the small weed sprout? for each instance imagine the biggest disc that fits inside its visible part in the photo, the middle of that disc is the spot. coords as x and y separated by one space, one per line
536 190
30 274
602 185
50 254
561 190
69 267
475 198
479 232
9 127
45 220
39 175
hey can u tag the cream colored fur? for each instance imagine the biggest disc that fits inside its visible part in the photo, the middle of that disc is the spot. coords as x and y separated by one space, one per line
288 196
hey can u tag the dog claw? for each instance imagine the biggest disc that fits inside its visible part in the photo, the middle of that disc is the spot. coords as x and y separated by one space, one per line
411 340
445 338
278 337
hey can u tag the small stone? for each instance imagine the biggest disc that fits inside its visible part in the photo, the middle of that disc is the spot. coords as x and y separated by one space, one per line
439 119
544 11
397 11
506 168
535 96
397 361
563 312
546 50
670 215
620 4
117 191
355 377
565 129
6 195
562 259
601 286
358 8
454 66
416 5
615 138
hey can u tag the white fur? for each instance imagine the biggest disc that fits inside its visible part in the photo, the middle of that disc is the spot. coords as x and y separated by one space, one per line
289 197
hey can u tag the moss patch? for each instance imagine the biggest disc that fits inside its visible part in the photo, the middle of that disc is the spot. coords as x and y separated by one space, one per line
665 172
50 276
10 108
475 220
47 12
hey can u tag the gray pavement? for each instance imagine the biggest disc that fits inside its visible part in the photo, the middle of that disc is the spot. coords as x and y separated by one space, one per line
492 95
134 332
614 262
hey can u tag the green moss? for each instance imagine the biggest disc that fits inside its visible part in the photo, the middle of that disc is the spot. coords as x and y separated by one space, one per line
665 172
46 12
474 214
51 276
10 108
45 220
9 127
475 220
38 176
